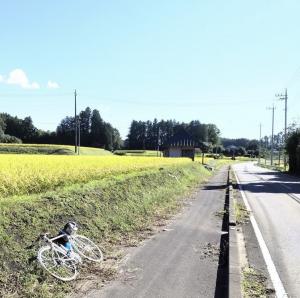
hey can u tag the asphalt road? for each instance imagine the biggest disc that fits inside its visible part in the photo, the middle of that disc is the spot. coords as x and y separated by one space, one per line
275 201
173 263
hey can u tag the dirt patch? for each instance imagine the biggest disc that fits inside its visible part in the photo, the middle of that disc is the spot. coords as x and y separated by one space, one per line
221 213
209 251
254 284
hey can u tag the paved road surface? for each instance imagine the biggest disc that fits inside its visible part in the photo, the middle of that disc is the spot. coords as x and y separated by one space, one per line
171 264
275 201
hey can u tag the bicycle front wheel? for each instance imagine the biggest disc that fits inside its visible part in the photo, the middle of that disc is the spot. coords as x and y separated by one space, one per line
86 248
57 263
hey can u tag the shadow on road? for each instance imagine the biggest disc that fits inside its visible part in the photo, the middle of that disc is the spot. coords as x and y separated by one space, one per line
275 182
214 187
221 289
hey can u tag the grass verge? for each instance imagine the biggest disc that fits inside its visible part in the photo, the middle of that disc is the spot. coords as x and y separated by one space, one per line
138 153
254 283
275 167
45 149
241 213
114 211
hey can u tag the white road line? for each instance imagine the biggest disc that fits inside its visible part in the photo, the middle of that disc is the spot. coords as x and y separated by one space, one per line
277 284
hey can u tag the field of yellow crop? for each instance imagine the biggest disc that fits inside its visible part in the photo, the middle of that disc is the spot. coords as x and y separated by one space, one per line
28 174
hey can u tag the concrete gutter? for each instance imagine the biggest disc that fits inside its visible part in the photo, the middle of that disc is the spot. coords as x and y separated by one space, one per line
234 286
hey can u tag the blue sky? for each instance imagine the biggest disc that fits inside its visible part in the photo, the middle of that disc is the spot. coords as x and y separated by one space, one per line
219 62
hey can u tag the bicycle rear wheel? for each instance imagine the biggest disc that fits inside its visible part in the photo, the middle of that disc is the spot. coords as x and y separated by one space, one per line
86 248
57 263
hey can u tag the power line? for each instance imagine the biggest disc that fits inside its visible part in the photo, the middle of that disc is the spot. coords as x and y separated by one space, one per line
294 76
34 95
172 102
162 102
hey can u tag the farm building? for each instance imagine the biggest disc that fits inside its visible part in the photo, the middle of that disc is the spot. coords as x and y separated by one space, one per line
181 144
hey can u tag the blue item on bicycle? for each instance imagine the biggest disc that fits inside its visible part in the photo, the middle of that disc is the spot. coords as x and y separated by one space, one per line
68 245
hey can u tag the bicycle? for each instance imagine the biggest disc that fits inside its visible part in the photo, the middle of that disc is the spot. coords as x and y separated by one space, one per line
62 263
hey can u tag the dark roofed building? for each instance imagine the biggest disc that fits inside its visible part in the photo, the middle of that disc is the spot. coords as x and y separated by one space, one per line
182 144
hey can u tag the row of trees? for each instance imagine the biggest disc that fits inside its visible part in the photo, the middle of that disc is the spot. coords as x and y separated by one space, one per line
13 129
148 135
240 143
241 146
94 131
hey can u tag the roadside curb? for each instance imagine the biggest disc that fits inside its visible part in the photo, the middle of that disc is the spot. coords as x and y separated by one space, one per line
234 287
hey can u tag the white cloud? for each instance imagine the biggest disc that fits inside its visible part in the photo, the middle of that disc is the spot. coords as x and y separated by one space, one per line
19 77
52 85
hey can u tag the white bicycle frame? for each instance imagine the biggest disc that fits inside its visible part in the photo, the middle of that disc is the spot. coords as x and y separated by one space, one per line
57 247
69 258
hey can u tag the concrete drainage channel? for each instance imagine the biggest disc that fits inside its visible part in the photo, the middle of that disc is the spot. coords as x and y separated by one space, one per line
247 272
234 270
228 282
222 289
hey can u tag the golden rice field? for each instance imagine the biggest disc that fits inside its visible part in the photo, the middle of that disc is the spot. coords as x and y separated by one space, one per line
28 174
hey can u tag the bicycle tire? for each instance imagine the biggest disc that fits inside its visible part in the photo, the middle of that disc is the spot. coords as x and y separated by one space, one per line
56 262
86 248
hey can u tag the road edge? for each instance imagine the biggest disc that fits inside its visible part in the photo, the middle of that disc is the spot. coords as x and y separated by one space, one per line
235 280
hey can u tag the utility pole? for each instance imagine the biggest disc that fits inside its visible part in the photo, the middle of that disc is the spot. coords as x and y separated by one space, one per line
259 147
284 97
272 140
78 149
75 120
158 141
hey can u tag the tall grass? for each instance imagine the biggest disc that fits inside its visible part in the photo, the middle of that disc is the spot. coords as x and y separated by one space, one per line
27 174
112 212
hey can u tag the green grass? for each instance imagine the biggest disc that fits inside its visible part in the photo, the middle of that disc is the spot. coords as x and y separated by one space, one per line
93 151
113 211
218 163
137 152
278 166
254 283
241 213
49 149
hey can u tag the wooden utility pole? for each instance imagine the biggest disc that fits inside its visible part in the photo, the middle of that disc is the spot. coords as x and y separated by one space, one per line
75 120
259 146
285 98
158 141
272 140
78 149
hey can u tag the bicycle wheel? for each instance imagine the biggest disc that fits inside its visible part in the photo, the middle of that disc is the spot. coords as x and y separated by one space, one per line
86 248
57 263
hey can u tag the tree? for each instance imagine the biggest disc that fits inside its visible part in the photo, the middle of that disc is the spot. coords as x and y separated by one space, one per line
198 131
148 134
117 140
137 135
252 145
293 150
85 126
98 134
108 136
28 131
2 124
14 126
65 131
241 151
213 133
